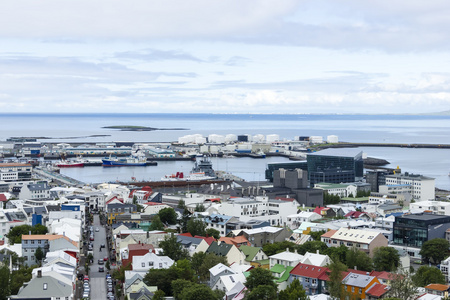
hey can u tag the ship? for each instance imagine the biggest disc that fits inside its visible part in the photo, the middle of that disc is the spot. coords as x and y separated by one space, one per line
134 161
202 170
69 164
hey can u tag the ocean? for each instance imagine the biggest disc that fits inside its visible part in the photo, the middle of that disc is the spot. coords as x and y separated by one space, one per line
349 128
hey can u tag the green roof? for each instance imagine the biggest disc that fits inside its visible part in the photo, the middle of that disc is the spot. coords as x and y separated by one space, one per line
263 261
326 185
359 199
285 275
278 269
246 274
249 251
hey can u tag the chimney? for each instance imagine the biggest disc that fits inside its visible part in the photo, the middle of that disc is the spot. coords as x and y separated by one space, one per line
287 249
355 267
317 251
148 234
39 273
367 273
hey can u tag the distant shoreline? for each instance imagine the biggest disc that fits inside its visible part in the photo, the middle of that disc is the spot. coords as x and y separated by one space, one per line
139 128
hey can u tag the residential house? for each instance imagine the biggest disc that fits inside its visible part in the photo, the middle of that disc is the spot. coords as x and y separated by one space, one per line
309 277
231 252
295 220
238 241
438 289
216 272
377 291
150 261
364 240
286 259
356 284
431 206
254 256
38 190
47 243
261 236
138 249
219 222
115 209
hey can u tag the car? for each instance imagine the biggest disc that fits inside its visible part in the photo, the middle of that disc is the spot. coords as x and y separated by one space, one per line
101 269
101 262
110 289
105 258
85 295
110 294
97 229
108 276
91 238
102 246
86 278
90 248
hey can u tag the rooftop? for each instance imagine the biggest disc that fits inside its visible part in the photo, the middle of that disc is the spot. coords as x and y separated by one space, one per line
424 216
351 153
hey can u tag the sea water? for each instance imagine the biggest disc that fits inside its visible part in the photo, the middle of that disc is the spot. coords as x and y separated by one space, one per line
350 128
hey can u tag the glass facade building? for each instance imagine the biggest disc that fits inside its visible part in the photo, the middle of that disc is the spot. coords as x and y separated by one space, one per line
335 166
415 229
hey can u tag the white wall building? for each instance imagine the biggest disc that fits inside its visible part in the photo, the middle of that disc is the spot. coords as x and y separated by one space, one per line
436 207
421 187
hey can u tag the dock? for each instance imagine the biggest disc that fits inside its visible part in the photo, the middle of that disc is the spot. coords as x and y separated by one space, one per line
54 176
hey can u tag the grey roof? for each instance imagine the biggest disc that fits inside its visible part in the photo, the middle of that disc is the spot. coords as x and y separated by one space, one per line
187 240
357 280
40 210
38 186
221 249
424 216
131 280
143 293
389 206
338 152
35 289
18 215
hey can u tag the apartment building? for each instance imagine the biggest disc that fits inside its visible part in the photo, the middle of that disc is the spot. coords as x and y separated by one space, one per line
420 187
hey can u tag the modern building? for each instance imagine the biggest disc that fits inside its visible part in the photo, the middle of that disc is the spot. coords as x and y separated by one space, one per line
420 187
335 166
435 207
378 177
415 229
15 172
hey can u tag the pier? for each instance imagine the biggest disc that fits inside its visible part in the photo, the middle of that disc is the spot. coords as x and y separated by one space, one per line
62 179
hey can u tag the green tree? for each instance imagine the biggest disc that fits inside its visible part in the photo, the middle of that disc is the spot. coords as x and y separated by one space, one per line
168 215
312 247
335 275
185 217
262 292
277 247
316 234
15 234
179 285
213 232
198 292
199 207
294 291
39 255
119 274
426 275
339 253
260 276
402 286
181 204
159 295
209 261
386 259
5 288
435 249
172 248
162 278
196 227
18 277
156 224
359 259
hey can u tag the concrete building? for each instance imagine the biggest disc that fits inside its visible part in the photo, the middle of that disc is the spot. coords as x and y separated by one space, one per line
15 172
434 207
363 240
420 187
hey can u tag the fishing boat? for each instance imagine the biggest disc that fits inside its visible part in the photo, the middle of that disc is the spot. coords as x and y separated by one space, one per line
69 164
114 161
202 170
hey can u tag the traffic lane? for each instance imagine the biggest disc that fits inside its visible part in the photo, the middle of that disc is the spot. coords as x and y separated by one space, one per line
98 281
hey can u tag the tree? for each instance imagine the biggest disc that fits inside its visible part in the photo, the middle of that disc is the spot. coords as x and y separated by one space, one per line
185 217
5 289
18 277
402 286
335 274
359 259
277 247
119 274
386 259
339 253
312 247
198 292
196 227
181 204
435 249
426 275
316 234
168 216
209 261
39 255
162 278
260 276
293 291
156 224
15 234
179 285
159 295
262 292
172 248
199 207
213 232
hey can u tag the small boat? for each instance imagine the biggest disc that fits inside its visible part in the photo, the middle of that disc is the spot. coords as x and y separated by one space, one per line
69 164
134 161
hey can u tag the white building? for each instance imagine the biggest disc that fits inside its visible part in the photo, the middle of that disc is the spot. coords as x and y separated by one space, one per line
420 187
316 139
286 258
151 261
332 139
436 207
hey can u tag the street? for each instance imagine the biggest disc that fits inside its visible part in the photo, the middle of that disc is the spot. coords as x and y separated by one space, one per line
98 281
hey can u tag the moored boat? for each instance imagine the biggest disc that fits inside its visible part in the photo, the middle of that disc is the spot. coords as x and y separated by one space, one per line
114 161
69 164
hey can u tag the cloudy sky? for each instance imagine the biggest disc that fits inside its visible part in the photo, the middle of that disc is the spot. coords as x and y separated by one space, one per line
252 56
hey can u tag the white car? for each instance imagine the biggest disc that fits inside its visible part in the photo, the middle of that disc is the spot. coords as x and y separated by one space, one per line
97 229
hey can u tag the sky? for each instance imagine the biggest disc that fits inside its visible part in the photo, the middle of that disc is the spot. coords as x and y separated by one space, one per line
203 56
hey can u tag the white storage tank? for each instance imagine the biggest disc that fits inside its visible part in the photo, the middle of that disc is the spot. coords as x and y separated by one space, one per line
230 138
259 138
230 148
272 138
216 139
332 139
200 140
316 139
204 149
213 149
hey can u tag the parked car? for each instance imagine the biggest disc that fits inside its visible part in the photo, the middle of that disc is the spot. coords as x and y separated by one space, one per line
101 269
101 261
105 258
97 229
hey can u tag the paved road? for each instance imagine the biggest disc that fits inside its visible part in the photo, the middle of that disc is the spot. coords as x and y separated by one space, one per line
98 282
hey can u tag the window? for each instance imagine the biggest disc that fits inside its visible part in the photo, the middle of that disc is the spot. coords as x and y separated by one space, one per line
45 286
360 291
160 265
353 289
143 264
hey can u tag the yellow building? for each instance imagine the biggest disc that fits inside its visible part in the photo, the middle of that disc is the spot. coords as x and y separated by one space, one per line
355 285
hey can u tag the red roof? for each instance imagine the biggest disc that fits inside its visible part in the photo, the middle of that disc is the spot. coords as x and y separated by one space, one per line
208 239
329 233
381 275
186 234
132 247
147 189
114 198
438 287
377 290
310 271
354 214
153 203
285 199
3 197
318 209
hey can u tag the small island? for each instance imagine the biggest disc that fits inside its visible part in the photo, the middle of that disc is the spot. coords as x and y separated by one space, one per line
139 128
